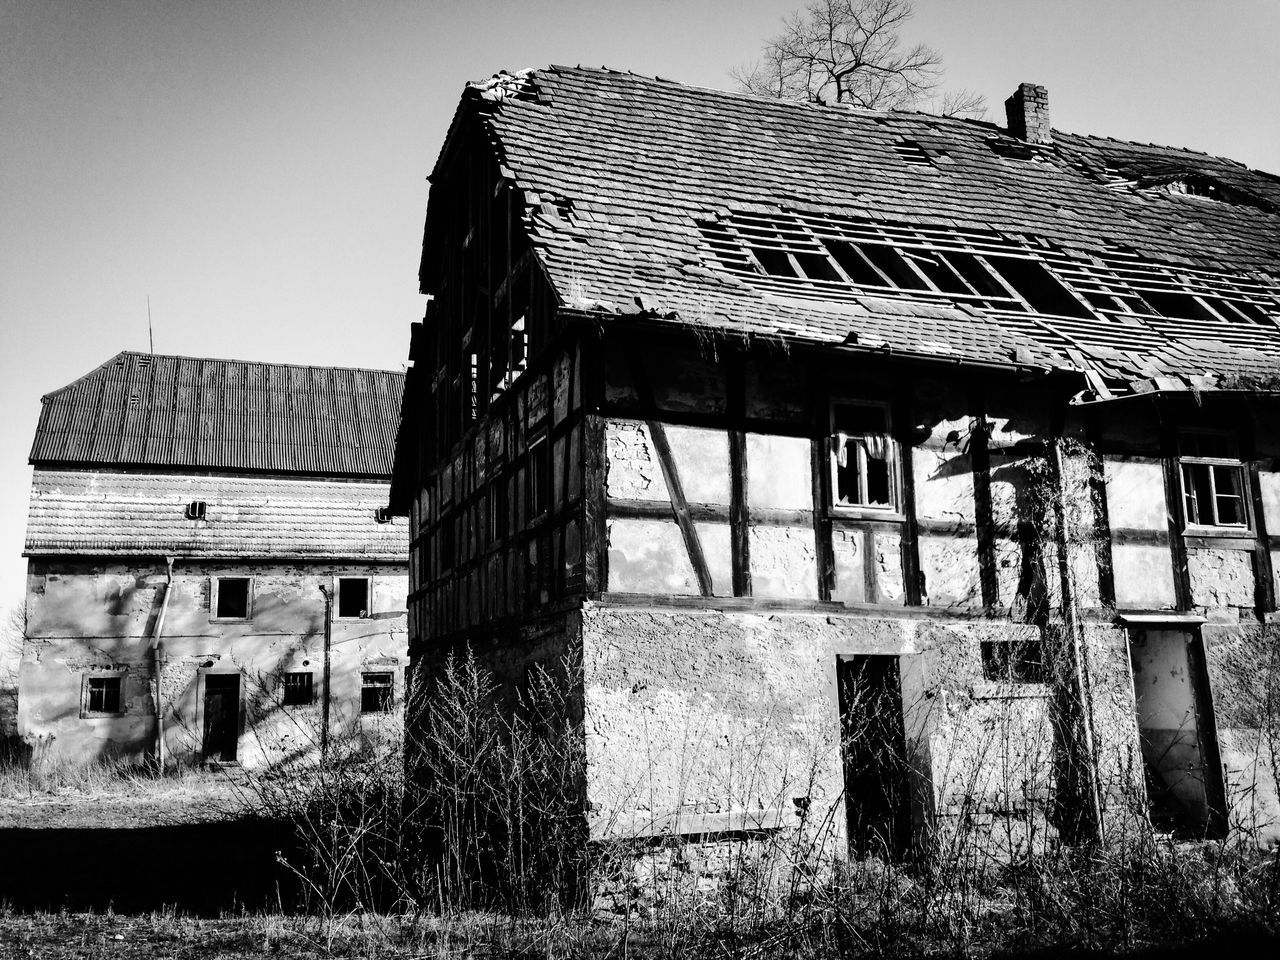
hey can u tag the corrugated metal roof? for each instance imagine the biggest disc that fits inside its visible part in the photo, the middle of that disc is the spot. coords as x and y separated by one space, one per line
140 409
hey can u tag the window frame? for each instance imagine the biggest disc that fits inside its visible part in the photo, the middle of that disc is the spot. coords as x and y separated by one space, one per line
215 598
891 511
310 687
1238 464
86 713
368 597
389 703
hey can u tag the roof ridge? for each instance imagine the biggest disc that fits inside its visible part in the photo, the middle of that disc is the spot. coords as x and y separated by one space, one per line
868 111
261 363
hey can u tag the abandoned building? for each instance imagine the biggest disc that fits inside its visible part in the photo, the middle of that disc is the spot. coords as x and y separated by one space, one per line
213 574
882 469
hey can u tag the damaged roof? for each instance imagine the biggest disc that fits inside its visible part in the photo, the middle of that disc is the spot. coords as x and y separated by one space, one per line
149 410
641 195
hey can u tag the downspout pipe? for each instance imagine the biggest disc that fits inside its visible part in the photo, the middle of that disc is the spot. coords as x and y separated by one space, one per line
158 662
328 643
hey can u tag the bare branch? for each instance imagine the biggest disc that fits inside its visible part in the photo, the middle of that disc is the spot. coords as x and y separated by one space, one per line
850 51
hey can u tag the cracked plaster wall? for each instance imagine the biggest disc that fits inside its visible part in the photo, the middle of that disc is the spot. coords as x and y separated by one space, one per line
693 710
85 616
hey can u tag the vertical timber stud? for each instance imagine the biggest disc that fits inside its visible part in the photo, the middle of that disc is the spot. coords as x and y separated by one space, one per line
1074 696
739 513
595 494
679 505
904 427
1264 585
983 513
1101 512
1174 508
820 454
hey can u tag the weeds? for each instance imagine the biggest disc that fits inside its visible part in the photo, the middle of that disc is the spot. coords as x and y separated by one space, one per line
482 848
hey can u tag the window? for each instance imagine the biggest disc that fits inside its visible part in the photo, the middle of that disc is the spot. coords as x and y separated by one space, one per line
1037 286
231 598
382 515
863 457
196 510
1212 481
1014 661
297 689
102 696
377 692
353 597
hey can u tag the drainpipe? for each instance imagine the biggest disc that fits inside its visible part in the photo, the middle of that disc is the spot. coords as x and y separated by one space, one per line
158 662
328 640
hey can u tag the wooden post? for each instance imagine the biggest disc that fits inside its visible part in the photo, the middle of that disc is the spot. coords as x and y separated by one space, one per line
328 642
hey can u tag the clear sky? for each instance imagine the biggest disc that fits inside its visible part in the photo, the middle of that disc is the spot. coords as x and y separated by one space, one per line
258 168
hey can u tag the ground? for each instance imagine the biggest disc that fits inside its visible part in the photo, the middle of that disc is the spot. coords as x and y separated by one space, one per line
122 803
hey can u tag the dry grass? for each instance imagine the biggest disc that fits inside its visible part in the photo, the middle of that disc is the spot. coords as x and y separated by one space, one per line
480 852
50 792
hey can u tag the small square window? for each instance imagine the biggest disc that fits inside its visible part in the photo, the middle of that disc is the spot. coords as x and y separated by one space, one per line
353 597
231 598
863 457
102 696
377 692
1014 661
298 689
196 510
1213 481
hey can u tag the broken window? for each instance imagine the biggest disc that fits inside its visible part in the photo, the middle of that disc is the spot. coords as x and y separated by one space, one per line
231 598
1037 286
841 257
297 689
353 597
377 692
1213 482
863 456
102 695
912 153
1014 661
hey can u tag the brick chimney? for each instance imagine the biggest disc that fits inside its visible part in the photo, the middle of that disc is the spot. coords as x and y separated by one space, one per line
1028 113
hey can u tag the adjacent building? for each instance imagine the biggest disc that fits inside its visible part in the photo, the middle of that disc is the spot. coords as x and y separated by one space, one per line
899 472
212 569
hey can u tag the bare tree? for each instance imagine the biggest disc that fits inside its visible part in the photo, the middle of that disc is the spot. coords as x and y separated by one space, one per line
13 628
850 51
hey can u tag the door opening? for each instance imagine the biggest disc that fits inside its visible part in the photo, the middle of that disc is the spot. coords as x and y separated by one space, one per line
221 716
1177 733
873 744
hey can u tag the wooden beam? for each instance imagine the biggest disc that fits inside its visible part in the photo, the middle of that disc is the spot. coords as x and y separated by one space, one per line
1264 584
739 510
679 505
902 420
983 511
1174 511
1101 513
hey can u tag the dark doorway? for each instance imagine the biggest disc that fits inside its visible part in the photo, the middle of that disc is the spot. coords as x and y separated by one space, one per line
221 715
1176 729
873 743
